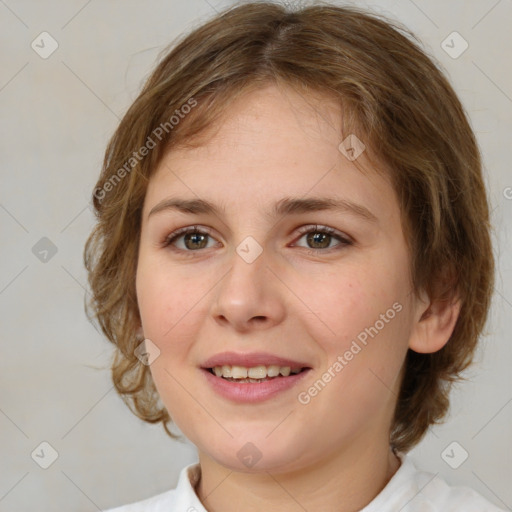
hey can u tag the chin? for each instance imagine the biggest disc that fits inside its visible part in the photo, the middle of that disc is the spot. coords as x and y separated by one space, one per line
243 455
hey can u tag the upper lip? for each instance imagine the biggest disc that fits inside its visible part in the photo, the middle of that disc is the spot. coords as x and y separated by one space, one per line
251 359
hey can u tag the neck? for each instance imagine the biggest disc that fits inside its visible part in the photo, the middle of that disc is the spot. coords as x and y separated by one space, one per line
344 482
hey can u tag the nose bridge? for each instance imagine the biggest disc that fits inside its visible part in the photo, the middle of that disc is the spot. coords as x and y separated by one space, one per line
247 290
247 273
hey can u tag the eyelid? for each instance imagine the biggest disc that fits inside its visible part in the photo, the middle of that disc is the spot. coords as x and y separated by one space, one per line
331 231
343 238
168 239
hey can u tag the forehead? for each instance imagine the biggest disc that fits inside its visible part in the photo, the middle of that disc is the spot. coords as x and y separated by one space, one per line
271 143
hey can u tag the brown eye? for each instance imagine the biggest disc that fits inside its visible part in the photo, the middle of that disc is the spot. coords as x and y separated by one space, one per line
193 239
320 238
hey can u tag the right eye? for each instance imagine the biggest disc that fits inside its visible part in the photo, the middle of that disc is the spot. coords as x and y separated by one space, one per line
193 239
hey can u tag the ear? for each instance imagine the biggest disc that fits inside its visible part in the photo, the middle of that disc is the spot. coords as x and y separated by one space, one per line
434 324
139 333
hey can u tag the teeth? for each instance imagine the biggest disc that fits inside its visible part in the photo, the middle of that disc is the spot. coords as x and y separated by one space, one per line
273 371
253 373
238 372
285 371
257 372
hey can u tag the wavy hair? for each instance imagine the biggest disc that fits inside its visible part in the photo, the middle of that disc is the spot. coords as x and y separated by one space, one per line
394 96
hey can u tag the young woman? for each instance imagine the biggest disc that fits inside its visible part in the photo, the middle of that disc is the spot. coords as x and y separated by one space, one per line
293 259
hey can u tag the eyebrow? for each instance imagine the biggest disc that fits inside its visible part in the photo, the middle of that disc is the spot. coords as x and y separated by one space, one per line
286 206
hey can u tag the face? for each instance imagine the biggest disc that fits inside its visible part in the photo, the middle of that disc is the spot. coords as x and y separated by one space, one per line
323 289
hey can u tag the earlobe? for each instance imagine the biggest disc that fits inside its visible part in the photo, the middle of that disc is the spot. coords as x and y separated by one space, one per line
435 325
139 333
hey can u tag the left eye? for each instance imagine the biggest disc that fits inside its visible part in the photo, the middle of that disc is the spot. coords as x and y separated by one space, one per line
321 236
194 238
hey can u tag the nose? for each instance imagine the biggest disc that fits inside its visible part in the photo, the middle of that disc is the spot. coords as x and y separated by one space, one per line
250 295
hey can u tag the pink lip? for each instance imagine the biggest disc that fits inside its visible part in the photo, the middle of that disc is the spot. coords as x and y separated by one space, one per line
247 392
251 359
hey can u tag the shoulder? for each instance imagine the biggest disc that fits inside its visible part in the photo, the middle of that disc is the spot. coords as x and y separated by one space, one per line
156 503
445 497
182 498
413 490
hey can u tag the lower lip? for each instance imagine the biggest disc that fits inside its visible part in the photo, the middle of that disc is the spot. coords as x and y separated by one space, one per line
251 392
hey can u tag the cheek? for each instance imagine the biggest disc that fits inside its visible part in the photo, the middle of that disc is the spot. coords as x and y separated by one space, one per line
168 306
360 316
165 300
364 347
343 304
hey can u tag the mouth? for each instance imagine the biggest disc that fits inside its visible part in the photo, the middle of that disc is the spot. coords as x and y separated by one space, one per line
246 378
254 374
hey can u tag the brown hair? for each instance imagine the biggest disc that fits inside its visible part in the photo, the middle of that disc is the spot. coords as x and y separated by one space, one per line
393 97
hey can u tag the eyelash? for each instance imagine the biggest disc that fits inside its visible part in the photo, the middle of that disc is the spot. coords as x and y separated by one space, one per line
168 241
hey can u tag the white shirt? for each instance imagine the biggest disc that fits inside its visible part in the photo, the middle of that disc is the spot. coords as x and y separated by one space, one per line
409 490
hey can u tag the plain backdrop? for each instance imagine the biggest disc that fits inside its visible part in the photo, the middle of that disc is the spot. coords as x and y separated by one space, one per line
57 114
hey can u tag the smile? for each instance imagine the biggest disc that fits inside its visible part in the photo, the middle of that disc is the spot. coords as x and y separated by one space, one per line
253 374
253 390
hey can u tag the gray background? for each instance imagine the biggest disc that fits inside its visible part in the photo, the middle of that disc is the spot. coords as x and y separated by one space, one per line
56 117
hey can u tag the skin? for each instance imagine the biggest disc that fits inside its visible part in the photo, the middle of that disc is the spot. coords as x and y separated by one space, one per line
331 454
